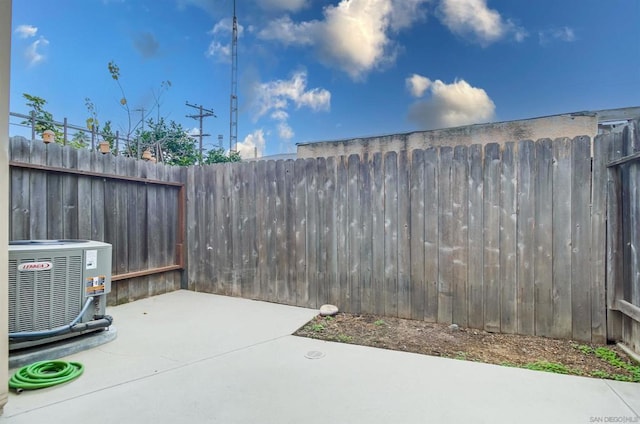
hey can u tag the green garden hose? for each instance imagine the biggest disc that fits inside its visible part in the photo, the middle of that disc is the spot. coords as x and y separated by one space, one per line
44 374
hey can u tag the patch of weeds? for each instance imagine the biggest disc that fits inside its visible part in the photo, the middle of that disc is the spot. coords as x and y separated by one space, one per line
584 349
343 338
329 318
612 358
461 355
550 367
379 322
317 327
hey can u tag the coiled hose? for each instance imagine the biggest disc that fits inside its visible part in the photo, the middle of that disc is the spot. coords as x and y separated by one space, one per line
45 374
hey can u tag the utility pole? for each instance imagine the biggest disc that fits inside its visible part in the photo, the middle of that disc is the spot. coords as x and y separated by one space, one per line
233 115
203 113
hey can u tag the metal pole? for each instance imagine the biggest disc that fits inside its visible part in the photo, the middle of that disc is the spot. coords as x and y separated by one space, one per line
33 125
64 139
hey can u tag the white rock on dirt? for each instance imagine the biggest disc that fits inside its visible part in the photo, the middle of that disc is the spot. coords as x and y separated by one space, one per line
328 310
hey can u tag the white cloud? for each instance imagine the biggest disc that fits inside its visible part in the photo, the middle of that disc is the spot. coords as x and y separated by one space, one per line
26 31
417 84
218 50
565 34
452 105
33 52
354 35
251 144
285 131
283 5
275 97
288 32
472 19
278 95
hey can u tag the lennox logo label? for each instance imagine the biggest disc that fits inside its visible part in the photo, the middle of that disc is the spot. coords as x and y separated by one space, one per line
35 266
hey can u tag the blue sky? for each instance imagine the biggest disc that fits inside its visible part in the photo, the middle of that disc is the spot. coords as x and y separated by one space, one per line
312 70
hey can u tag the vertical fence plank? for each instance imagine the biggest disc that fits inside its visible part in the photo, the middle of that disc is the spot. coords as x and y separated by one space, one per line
377 233
236 199
598 239
431 231
475 271
123 228
85 199
631 329
543 271
365 258
192 229
581 265
404 237
322 254
134 224
417 258
391 234
250 233
342 225
290 232
281 239
328 168
491 225
526 237
260 285
353 233
97 199
156 283
70 195
299 177
460 236
508 240
55 206
445 234
38 193
561 294
312 232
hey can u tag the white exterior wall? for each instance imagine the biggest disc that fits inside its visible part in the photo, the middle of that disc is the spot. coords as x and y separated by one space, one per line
5 57
530 129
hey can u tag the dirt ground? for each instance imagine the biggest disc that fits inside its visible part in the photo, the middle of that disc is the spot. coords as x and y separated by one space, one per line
462 343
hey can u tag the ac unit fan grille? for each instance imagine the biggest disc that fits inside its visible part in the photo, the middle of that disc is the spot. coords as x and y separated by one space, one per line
41 300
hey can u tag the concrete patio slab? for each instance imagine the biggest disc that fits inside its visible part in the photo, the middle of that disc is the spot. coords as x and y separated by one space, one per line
200 358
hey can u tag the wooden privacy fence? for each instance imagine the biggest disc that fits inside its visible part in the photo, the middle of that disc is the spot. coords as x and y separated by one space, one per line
528 237
623 229
66 193
508 238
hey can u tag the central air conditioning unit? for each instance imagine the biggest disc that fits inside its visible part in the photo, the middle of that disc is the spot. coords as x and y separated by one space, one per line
57 289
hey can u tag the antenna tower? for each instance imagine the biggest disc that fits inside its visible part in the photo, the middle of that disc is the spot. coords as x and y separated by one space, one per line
233 109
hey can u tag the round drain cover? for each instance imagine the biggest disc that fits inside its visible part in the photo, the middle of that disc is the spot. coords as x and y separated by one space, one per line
314 354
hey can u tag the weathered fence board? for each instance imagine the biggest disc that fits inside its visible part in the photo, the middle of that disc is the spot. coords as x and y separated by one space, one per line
460 239
543 233
526 237
581 238
475 270
491 225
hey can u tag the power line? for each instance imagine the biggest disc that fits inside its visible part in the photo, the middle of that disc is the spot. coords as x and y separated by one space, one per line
203 113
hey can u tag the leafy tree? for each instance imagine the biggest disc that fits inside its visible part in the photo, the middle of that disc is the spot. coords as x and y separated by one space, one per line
80 140
43 120
218 156
173 146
